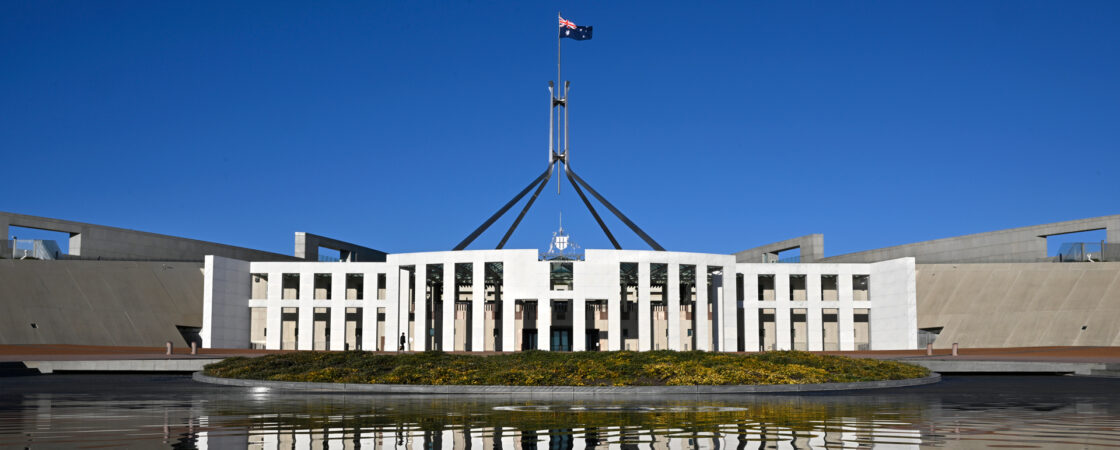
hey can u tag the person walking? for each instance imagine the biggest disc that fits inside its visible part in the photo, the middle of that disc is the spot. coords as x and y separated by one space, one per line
403 340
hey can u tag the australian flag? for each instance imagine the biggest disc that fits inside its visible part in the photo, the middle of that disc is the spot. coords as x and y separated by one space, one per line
568 29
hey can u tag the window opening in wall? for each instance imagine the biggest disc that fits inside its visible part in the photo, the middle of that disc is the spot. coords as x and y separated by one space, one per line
767 329
561 277
792 255
830 288
353 329
766 288
355 286
830 328
258 333
799 328
464 312
329 255
290 286
321 336
33 243
861 287
862 325
289 328
258 286
710 312
436 300
380 342
492 281
629 280
381 286
659 316
689 310
740 320
797 289
322 286
1068 246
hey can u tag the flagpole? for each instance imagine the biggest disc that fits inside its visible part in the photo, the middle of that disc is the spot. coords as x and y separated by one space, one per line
559 89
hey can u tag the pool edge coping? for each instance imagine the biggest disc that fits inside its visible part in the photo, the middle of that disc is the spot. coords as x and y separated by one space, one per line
413 389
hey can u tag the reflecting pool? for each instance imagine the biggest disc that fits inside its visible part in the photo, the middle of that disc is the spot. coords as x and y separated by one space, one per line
154 411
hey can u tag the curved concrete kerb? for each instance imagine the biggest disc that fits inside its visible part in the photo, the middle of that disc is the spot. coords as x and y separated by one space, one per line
413 389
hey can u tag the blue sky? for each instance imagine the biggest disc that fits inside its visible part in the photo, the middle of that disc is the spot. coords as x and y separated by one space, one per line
716 127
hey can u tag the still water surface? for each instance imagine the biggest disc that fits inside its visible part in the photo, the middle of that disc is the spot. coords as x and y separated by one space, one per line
158 411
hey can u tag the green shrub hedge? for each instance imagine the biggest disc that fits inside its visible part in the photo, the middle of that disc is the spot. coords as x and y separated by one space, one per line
539 368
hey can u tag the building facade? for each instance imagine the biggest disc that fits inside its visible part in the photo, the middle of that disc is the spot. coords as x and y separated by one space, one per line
509 300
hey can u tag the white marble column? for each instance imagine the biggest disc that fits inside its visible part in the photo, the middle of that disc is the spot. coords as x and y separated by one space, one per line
847 328
644 341
338 312
729 310
508 311
420 338
478 306
396 315
544 323
305 339
273 323
369 312
449 298
674 307
579 324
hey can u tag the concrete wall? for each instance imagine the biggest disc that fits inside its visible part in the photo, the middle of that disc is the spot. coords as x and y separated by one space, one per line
307 248
812 249
1028 304
1025 244
98 302
92 241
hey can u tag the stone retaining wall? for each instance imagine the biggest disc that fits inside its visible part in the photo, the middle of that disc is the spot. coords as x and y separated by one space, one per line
566 391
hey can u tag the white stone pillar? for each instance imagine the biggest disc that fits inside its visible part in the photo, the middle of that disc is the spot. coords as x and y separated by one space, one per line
614 311
847 327
700 310
783 339
750 327
644 341
478 306
369 312
508 312
398 314
782 326
305 340
544 323
674 306
273 323
338 312
729 310
579 324
420 338
449 298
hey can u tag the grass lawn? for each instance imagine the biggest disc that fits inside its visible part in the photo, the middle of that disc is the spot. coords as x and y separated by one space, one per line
539 368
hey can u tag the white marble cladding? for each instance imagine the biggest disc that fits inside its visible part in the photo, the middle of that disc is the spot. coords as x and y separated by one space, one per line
891 301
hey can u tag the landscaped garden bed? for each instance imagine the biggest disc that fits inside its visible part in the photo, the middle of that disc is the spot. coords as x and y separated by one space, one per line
538 368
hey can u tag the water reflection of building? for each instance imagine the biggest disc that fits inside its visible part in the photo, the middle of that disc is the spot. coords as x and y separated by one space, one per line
857 434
